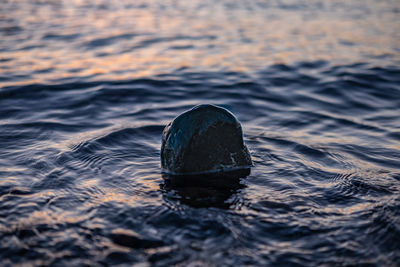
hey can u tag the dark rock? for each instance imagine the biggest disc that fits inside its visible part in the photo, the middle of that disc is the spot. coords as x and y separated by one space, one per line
130 239
205 139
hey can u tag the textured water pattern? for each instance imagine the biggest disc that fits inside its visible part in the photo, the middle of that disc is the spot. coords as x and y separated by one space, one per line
86 88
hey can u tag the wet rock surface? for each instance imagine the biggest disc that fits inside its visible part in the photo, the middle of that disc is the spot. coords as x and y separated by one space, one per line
205 139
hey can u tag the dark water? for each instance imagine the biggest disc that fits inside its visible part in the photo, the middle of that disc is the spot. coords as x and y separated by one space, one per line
86 89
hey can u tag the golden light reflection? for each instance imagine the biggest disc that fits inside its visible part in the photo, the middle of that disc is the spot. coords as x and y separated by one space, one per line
139 42
42 217
115 195
53 216
347 210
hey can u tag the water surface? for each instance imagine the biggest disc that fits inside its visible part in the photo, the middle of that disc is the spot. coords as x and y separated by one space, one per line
86 89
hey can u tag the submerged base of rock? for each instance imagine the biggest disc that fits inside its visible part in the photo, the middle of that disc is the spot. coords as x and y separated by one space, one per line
205 139
219 180
204 190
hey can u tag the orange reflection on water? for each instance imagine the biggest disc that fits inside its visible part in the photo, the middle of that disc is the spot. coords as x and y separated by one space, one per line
347 210
122 43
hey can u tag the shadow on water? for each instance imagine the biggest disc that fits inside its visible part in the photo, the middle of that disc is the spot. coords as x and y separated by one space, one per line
204 190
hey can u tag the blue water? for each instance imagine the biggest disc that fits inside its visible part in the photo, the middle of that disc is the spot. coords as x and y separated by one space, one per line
87 87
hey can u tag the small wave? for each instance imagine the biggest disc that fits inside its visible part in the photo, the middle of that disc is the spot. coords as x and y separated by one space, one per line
83 159
109 40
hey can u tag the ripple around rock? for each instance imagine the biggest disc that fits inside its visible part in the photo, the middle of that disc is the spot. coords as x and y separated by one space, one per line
204 139
204 190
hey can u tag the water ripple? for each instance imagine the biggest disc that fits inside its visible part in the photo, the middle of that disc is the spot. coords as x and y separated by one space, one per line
87 88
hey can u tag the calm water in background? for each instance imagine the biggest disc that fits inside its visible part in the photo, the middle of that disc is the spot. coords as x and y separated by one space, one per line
86 88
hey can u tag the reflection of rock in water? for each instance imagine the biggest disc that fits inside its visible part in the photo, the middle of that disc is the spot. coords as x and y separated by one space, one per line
206 138
211 190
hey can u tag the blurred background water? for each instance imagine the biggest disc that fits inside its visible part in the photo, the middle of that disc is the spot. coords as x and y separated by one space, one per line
86 88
